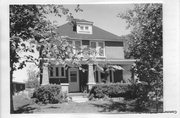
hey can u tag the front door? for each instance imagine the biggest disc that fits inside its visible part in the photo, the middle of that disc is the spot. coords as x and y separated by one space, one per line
73 80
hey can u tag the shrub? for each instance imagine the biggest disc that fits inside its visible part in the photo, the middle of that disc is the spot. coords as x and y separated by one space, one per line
32 83
110 90
49 94
128 91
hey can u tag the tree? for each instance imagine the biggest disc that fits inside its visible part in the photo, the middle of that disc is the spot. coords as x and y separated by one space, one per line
29 23
33 75
145 20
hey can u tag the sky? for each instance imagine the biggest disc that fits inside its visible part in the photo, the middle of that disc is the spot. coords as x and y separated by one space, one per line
103 16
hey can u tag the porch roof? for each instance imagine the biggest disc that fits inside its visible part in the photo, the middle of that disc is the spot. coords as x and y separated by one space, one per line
117 61
110 61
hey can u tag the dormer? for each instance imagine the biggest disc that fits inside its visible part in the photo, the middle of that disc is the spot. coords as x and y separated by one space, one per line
82 26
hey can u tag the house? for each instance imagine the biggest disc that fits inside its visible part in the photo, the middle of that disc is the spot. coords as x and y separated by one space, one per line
18 86
82 33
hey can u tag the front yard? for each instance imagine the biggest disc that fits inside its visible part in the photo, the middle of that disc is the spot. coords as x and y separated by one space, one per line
24 105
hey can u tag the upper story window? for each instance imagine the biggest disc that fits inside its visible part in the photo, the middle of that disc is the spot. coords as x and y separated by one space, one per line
76 46
57 72
98 47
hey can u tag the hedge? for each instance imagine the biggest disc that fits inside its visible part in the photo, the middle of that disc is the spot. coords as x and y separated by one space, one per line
125 90
49 94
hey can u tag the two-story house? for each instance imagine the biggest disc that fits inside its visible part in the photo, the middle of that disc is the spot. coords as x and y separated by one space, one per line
82 33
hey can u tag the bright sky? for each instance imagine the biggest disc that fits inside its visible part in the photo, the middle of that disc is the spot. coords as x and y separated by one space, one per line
103 16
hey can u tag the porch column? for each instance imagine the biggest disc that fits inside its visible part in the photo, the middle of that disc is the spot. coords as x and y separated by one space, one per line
91 79
45 74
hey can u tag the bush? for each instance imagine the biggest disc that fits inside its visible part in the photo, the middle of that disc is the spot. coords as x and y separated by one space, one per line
110 90
128 91
49 94
32 83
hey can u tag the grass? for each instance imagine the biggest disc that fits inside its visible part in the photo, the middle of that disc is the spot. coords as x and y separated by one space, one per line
24 105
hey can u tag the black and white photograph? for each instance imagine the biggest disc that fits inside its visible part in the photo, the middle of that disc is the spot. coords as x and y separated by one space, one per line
87 59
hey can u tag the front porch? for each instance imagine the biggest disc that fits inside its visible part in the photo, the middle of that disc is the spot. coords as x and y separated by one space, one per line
82 79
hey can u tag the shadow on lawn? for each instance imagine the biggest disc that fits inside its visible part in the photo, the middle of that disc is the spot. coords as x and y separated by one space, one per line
112 106
25 109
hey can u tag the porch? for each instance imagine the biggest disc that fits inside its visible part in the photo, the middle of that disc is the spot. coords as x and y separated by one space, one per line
82 79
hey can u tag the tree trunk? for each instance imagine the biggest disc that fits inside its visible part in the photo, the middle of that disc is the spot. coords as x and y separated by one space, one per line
41 70
11 92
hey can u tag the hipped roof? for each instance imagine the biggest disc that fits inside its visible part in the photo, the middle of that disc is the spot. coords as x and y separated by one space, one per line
97 33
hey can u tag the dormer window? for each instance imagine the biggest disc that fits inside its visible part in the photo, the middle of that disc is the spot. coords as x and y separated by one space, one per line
86 28
82 26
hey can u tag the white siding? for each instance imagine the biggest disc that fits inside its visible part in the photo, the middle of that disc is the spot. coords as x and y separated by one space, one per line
114 52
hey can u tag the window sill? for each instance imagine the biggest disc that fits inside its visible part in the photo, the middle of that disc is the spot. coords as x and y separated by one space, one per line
57 77
95 56
64 84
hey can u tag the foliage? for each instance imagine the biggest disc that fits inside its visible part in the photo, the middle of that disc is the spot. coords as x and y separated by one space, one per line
136 91
127 43
33 76
145 44
32 83
110 90
30 23
49 94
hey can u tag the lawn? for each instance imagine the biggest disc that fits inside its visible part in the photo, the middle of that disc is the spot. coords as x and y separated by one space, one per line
24 105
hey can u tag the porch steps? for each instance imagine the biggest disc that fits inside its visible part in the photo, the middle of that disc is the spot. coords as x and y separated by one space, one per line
75 94
78 97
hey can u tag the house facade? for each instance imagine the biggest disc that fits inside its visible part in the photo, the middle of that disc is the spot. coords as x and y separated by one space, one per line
83 34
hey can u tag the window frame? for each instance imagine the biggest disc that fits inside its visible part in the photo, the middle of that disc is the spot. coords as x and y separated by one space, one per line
74 46
54 74
81 27
97 45
86 27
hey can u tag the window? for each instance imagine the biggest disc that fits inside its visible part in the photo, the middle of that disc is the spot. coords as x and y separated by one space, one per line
73 76
62 71
70 49
51 71
86 28
93 45
82 27
57 72
70 42
101 48
98 48
76 46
